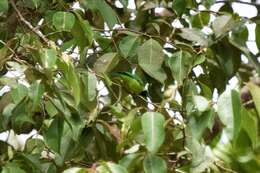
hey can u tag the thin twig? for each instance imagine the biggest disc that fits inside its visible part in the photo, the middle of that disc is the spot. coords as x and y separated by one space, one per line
28 24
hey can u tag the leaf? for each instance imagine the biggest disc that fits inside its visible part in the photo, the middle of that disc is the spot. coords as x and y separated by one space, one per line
255 92
228 108
105 10
200 20
115 168
249 124
154 164
130 161
109 167
201 103
150 58
82 32
153 128
63 21
90 82
48 58
75 170
4 6
73 81
12 168
257 36
195 35
128 46
179 6
223 24
54 133
180 64
202 156
106 62
36 92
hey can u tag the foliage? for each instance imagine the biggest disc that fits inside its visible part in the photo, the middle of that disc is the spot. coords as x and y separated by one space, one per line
111 87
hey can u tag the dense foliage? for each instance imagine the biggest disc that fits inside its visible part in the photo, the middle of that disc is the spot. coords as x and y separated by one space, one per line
112 86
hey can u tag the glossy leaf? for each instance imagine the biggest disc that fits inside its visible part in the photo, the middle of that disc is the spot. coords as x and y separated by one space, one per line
150 58
153 129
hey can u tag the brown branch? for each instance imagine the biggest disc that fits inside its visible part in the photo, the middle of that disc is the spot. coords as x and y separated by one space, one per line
28 24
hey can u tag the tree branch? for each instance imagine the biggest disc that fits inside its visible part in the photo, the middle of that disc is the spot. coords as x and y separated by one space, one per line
28 24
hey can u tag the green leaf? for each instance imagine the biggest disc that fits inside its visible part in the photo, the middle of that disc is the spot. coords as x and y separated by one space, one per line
74 83
180 64
36 92
229 112
19 93
105 10
255 92
130 161
90 82
53 135
4 6
223 24
128 46
154 164
201 103
249 124
63 21
82 32
200 20
153 128
106 62
12 168
179 6
202 156
195 35
109 167
150 58
75 170
257 36
48 58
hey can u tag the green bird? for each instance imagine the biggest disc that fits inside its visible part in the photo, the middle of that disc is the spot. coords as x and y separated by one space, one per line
131 82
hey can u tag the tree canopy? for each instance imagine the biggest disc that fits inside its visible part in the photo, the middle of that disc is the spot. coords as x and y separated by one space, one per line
129 86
